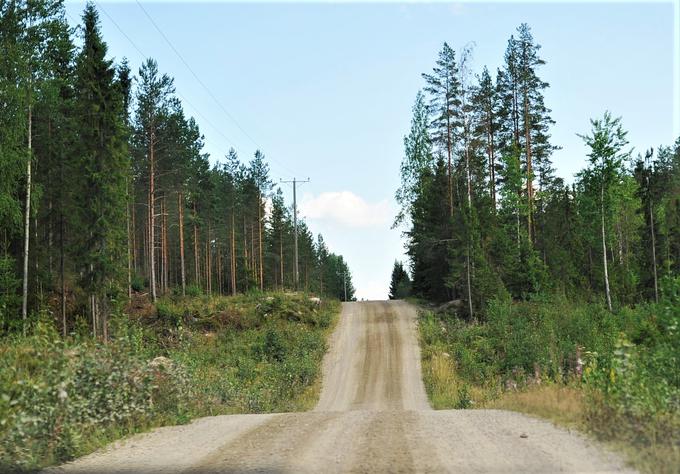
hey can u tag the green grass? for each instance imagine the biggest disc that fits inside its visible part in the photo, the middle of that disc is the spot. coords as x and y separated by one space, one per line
524 356
185 358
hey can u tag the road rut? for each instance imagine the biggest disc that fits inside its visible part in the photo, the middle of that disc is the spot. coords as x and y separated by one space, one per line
372 416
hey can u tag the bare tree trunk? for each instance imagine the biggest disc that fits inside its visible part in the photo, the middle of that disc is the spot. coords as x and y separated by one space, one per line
233 254
152 219
259 225
129 240
530 178
166 269
469 283
450 169
208 269
253 263
197 271
218 266
651 226
27 219
604 251
492 160
281 256
135 254
180 207
61 272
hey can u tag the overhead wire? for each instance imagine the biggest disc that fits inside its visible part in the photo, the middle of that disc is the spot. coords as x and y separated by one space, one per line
196 110
204 86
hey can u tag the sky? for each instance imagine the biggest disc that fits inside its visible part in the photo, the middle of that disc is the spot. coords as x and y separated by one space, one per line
325 90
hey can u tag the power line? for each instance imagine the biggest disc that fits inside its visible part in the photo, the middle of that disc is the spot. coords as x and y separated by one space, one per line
181 96
205 87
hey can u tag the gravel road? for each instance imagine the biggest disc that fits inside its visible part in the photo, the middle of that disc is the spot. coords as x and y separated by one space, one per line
372 416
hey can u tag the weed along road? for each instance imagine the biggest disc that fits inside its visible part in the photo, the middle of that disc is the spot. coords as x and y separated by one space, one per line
372 416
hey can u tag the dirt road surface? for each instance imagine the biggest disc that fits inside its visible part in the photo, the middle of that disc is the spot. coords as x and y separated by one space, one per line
372 416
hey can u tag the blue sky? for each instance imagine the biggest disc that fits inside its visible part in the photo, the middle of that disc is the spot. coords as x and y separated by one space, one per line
325 90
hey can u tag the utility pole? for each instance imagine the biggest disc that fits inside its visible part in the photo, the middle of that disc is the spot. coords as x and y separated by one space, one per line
295 229
344 280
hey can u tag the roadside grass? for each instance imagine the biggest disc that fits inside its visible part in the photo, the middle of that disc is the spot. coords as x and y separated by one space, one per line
182 359
614 377
563 405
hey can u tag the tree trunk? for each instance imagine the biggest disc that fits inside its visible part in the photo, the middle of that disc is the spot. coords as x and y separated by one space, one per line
135 263
129 240
218 266
180 207
245 248
197 272
530 179
61 272
233 254
604 251
469 283
208 269
448 152
651 226
152 220
166 269
27 219
492 159
253 262
259 225
281 255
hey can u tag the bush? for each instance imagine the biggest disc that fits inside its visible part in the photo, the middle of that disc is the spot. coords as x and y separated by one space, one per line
201 356
57 396
137 283
630 363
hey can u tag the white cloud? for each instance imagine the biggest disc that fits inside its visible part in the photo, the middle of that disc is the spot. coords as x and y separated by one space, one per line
347 209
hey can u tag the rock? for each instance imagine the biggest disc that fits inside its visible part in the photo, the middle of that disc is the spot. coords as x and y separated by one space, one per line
454 305
524 435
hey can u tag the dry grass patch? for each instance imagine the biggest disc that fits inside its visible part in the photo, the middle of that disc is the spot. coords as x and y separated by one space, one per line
562 405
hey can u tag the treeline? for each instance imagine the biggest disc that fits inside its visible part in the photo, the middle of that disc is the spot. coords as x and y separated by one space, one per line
106 191
485 214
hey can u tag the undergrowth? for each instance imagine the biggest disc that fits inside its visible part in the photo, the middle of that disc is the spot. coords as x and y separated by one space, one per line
183 359
615 375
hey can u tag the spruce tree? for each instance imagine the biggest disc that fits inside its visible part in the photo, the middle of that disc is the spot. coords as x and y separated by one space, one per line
104 169
400 283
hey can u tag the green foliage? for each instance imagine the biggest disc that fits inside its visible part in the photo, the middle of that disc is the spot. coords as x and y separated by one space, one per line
9 300
137 283
627 363
60 399
640 377
400 285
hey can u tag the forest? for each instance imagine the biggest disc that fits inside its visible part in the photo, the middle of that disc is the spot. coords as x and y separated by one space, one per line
484 212
107 195
539 294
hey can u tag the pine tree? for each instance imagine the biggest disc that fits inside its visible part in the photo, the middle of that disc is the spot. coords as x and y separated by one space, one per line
486 104
153 97
443 87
